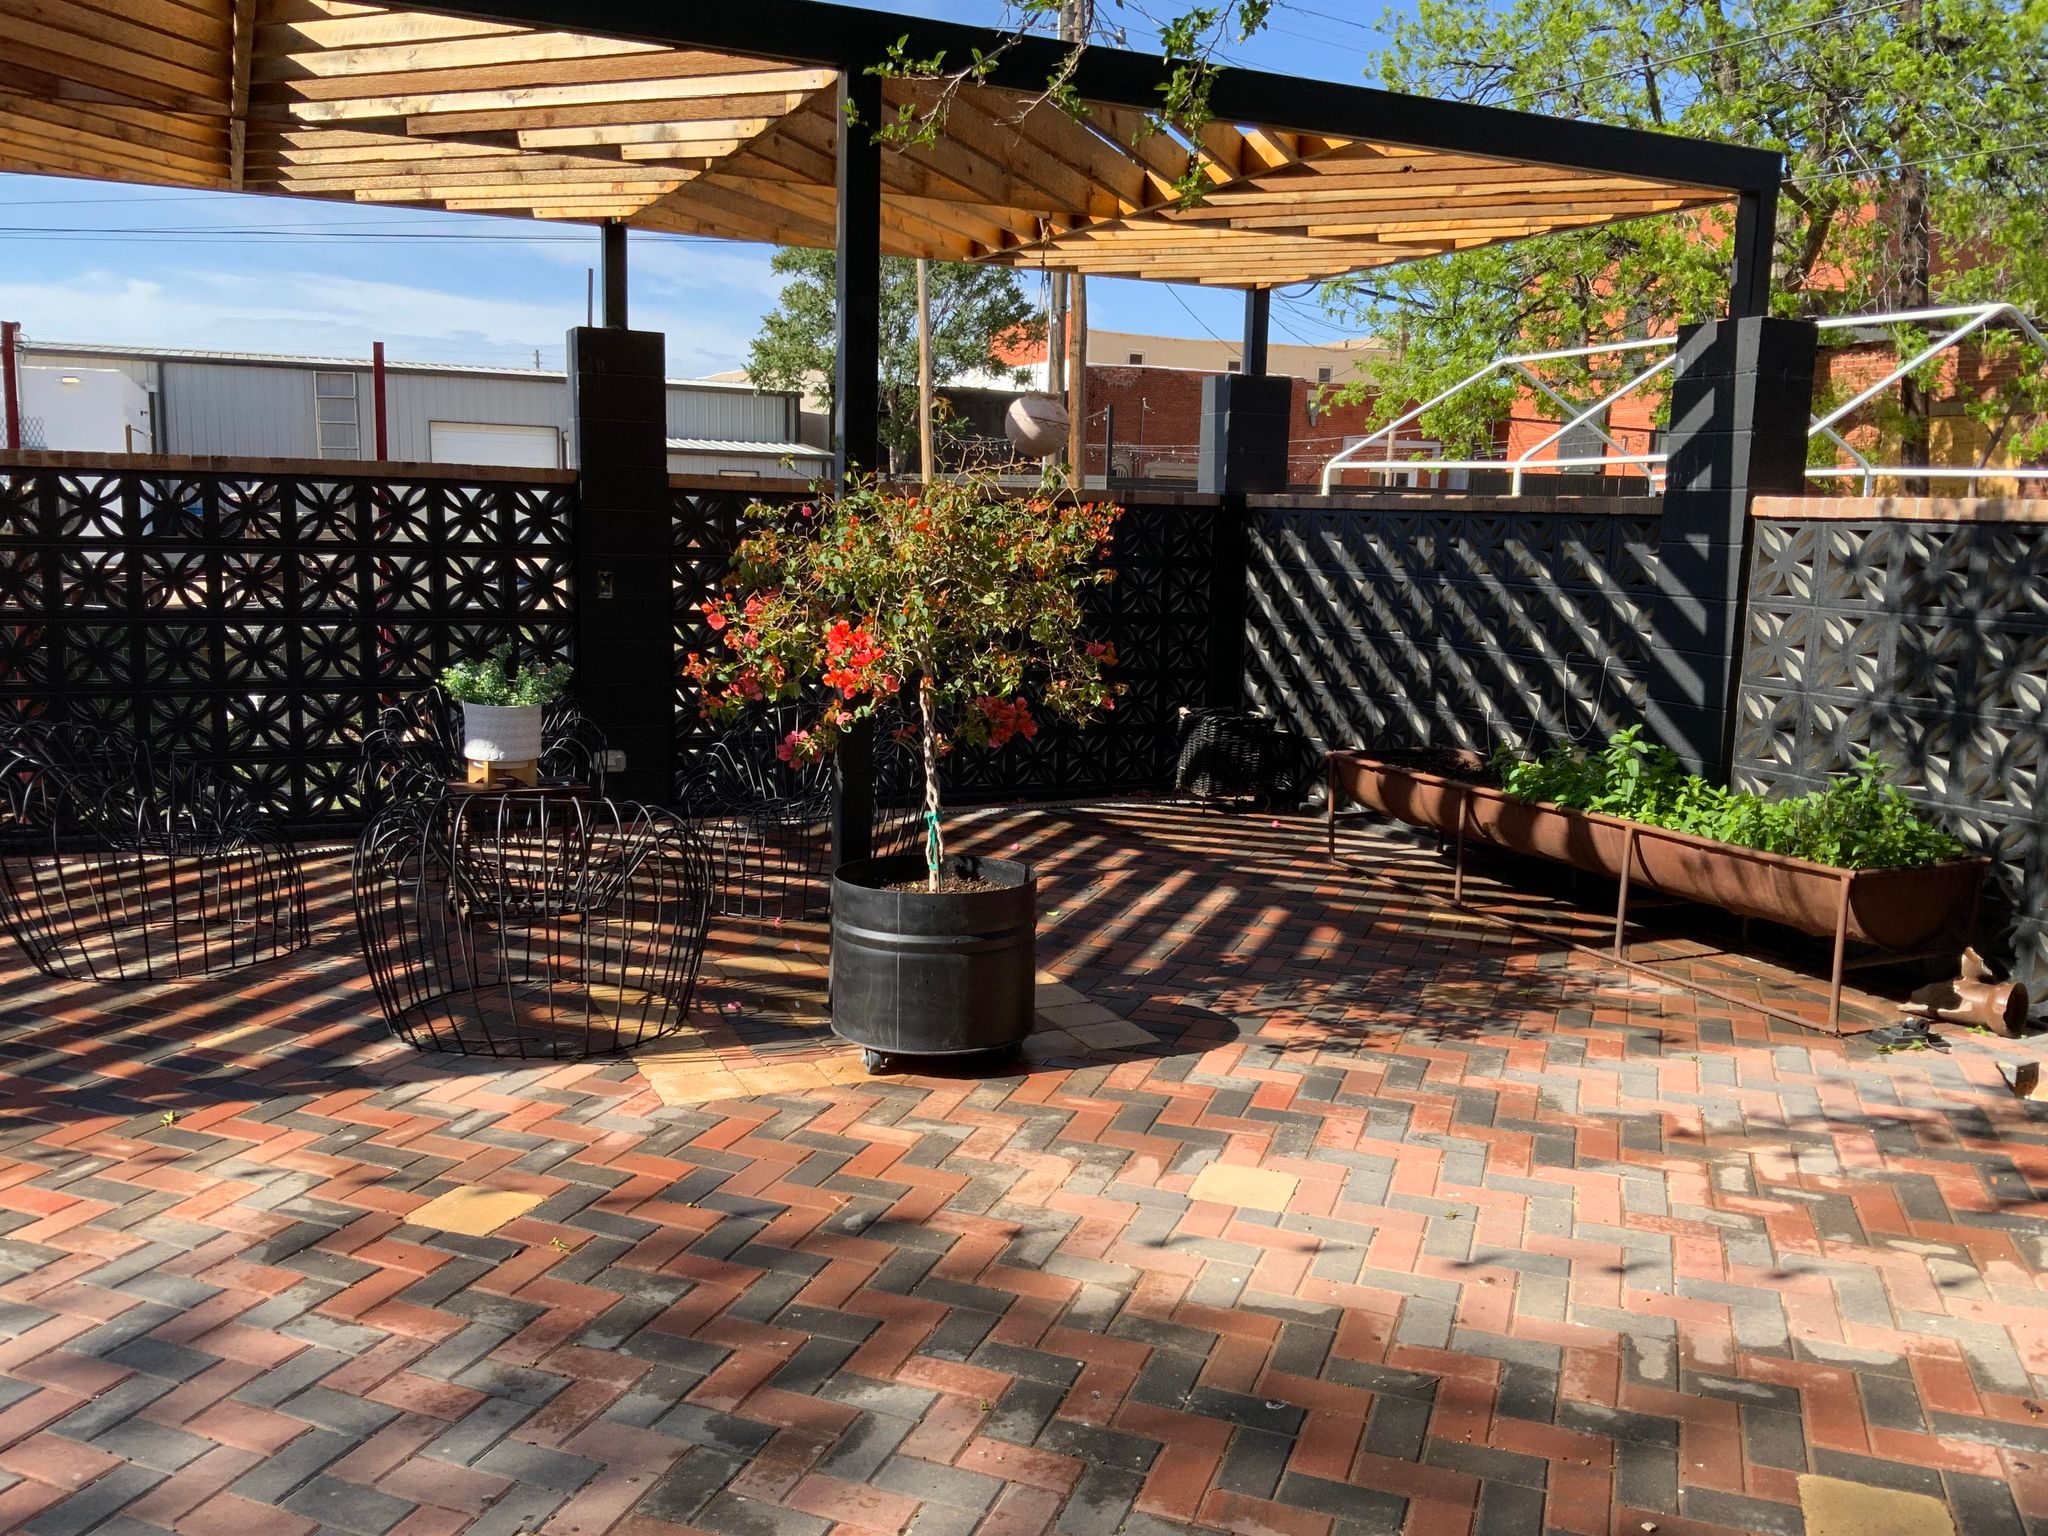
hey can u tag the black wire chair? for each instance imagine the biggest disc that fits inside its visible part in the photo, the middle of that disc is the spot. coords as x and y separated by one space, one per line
767 821
121 864
531 925
415 748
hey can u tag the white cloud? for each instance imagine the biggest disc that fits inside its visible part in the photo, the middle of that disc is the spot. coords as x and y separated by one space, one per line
676 266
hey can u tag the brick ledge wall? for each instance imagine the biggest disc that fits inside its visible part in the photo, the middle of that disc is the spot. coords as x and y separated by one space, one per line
1901 509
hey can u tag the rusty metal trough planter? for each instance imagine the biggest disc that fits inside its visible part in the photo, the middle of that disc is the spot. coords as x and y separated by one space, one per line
1905 911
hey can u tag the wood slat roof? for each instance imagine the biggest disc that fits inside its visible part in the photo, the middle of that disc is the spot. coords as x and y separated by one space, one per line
321 98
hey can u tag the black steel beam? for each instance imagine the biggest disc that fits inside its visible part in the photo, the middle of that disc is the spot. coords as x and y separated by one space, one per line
614 262
856 396
853 39
1258 325
856 383
1756 229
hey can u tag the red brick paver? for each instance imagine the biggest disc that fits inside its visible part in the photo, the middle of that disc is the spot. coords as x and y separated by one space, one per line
1560 1247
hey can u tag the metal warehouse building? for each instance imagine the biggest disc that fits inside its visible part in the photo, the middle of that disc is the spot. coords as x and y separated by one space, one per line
257 405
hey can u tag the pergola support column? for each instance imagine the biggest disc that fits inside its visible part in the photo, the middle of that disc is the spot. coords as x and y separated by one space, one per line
625 615
1243 453
614 263
1258 325
856 395
1756 233
1740 403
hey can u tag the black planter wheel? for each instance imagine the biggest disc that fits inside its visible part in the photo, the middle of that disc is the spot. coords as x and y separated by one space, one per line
120 864
531 926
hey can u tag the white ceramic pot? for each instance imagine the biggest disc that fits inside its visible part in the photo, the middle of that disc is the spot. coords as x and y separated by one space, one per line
501 733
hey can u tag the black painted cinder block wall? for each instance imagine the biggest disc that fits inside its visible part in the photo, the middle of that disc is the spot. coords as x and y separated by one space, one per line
1245 421
1740 404
625 655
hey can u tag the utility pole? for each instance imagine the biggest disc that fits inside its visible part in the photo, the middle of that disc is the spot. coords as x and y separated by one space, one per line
1077 22
1056 334
924 369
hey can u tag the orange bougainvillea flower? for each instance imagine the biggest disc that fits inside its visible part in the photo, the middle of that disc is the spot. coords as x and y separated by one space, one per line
958 603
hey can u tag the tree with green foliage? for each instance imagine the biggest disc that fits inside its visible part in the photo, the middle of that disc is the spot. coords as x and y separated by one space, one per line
975 310
1916 139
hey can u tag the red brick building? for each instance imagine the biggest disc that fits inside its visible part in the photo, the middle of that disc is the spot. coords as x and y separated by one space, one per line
1145 411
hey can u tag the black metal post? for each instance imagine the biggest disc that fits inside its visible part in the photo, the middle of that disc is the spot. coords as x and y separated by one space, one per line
615 274
856 361
1756 221
856 395
1258 324
1244 451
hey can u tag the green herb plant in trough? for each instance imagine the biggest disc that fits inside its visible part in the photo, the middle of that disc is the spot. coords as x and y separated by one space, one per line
1861 820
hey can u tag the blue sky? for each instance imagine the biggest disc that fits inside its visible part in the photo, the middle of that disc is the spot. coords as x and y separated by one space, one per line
93 261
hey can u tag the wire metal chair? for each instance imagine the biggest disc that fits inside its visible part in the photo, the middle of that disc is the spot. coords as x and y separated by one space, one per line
121 864
767 821
415 748
531 925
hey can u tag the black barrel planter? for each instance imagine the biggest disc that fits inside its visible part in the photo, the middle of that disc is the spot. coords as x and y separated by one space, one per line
917 973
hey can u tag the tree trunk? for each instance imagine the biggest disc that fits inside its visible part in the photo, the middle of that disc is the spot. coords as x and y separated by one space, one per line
1916 279
928 737
924 369
1916 253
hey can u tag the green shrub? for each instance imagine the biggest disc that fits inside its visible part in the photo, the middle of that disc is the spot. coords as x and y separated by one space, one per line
497 681
1860 821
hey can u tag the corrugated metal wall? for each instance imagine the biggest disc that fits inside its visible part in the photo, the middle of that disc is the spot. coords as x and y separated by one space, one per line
251 409
731 414
237 410
141 369
414 401
759 465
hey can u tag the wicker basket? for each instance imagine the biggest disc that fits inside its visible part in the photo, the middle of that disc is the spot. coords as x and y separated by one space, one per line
1227 754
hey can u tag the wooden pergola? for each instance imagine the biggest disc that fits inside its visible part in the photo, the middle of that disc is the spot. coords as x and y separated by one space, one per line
725 120
756 120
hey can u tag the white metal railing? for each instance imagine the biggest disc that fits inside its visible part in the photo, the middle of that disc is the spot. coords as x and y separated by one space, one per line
1523 365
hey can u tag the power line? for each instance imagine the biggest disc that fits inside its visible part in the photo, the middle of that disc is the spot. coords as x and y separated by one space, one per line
1346 21
1184 304
1734 42
1902 165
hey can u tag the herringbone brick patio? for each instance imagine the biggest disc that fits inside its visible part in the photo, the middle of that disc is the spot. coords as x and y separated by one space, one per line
1319 1209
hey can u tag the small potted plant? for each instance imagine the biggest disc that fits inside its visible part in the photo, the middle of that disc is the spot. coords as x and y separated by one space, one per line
502 710
963 603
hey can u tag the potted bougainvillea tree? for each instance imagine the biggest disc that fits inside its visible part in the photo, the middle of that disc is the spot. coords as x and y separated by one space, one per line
958 606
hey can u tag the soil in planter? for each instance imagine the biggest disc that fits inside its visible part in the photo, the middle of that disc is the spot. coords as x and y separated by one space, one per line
949 885
1445 763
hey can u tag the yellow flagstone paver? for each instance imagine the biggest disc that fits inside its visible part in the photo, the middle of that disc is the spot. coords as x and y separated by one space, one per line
690 1082
1836 1507
473 1209
1112 1033
1226 1184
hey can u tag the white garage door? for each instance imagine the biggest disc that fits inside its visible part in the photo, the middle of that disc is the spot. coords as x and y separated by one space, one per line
468 442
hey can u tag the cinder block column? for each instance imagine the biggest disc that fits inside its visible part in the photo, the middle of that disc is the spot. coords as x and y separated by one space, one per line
1740 405
625 672
1245 421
